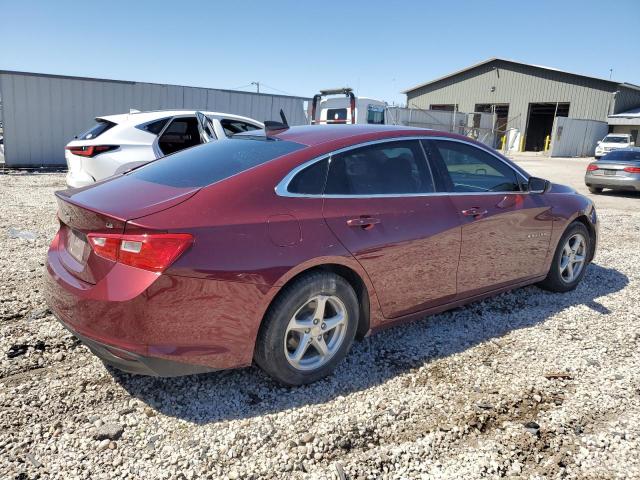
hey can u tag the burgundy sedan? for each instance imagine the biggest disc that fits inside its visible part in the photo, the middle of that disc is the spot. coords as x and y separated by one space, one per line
281 247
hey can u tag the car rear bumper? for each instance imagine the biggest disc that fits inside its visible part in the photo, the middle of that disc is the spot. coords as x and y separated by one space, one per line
616 182
135 363
78 179
153 324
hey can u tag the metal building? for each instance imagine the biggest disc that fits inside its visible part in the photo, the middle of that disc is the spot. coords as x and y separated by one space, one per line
41 113
525 98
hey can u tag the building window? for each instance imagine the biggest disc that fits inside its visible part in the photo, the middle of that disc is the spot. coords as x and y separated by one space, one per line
445 107
375 114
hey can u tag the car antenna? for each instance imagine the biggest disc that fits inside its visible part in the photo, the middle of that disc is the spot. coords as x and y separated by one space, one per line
272 126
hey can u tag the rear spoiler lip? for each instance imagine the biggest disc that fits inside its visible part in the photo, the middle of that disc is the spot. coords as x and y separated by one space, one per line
65 197
151 209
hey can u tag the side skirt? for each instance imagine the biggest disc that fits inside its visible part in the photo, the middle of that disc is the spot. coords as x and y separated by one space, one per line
448 306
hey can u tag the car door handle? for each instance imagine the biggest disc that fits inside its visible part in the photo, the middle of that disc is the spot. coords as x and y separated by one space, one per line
364 222
474 212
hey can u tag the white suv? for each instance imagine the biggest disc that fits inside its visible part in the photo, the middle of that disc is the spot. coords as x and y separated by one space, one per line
613 141
117 143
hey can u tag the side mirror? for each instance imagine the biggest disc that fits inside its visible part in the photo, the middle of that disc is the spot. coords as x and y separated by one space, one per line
539 185
598 142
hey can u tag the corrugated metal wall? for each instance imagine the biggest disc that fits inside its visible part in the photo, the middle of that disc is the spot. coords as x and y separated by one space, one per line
518 85
42 113
572 137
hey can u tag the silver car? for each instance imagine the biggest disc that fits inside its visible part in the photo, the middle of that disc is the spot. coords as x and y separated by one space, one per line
617 170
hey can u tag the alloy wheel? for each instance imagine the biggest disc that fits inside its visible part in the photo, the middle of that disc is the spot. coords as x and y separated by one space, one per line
573 258
315 332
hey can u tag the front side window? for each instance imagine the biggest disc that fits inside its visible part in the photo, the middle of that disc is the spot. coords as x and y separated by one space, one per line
384 168
471 169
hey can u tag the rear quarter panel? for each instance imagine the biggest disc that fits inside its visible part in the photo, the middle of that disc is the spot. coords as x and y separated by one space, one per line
246 234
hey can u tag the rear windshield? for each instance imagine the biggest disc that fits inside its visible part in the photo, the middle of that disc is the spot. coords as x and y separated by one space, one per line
98 129
623 156
212 162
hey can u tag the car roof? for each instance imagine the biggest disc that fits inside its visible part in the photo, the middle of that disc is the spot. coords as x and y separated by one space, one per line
137 118
312 135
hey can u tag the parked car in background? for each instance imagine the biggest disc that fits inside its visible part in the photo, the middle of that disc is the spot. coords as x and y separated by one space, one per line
613 141
281 246
117 143
617 170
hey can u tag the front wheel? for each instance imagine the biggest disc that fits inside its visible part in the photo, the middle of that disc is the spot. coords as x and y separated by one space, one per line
595 190
570 259
308 329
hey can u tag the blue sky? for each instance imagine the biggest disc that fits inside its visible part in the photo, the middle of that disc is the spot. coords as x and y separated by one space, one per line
377 47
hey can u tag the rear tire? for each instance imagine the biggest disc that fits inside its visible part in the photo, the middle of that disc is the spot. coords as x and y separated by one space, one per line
595 190
569 262
308 329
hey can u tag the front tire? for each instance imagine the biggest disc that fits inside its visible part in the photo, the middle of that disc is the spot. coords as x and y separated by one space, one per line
569 260
308 329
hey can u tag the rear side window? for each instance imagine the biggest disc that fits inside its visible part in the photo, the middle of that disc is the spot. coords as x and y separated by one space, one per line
231 127
213 161
336 115
471 169
311 180
154 127
385 168
98 129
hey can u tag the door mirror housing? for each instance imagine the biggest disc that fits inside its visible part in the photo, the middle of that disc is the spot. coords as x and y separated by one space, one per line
538 185
598 142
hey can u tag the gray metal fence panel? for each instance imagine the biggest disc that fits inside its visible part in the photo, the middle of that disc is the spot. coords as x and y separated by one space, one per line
455 122
573 137
42 113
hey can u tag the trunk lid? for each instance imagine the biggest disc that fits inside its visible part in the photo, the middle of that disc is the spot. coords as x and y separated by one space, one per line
105 208
613 167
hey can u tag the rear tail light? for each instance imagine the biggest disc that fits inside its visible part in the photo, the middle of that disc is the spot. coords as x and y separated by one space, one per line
153 252
91 150
592 167
632 169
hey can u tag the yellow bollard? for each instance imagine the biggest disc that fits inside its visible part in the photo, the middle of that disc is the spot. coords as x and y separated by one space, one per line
522 143
547 141
503 142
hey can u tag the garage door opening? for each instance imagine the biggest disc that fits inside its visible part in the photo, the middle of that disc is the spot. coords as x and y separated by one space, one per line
540 123
501 111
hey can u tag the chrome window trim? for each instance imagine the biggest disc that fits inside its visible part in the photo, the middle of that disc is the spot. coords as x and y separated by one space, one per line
281 188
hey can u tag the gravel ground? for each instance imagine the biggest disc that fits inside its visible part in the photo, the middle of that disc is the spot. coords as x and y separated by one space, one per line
527 385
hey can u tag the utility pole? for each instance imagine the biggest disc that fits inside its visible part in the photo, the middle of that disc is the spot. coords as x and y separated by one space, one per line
257 84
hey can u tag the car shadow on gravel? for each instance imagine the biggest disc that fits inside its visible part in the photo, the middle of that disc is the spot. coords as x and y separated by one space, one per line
246 393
